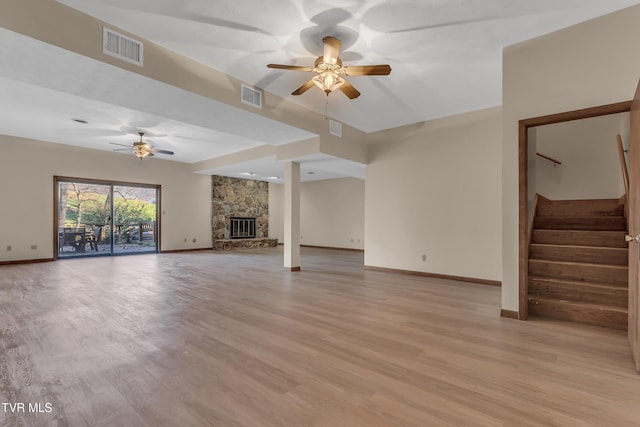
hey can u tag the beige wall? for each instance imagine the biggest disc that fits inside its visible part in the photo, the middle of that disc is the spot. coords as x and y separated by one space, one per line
331 213
27 169
590 64
276 212
590 166
434 188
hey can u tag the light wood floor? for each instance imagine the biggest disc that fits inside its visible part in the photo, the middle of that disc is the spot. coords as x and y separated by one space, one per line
231 339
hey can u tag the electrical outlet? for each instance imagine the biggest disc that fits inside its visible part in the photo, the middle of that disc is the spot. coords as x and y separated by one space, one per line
424 257
9 248
34 247
185 240
352 240
194 240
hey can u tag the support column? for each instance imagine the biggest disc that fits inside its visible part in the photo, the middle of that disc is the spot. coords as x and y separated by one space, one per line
292 216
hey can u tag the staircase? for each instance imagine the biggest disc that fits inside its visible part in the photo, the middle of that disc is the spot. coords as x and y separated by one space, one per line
578 262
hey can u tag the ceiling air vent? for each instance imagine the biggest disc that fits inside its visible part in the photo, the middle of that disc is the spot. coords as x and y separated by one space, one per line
121 47
251 96
335 128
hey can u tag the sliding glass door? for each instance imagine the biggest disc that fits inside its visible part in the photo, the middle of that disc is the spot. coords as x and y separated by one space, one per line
105 218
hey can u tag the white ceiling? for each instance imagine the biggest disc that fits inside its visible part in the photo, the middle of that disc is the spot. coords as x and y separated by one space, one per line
445 55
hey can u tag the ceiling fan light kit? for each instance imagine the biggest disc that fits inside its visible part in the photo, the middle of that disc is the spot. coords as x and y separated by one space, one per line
330 72
141 150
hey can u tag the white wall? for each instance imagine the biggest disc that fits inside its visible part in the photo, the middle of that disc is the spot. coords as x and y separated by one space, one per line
588 151
331 213
434 188
27 169
590 64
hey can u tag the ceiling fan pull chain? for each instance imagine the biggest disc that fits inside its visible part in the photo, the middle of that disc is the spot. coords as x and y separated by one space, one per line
326 109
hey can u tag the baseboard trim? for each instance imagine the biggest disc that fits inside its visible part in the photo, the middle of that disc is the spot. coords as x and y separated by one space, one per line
176 251
435 275
335 248
509 314
292 268
27 261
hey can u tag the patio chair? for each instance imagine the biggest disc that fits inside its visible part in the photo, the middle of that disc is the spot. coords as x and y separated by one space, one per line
94 238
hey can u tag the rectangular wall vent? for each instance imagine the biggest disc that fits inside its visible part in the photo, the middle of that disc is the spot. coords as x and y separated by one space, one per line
335 128
251 96
121 47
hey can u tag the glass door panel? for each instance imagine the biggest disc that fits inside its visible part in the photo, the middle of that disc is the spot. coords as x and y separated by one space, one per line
134 219
84 215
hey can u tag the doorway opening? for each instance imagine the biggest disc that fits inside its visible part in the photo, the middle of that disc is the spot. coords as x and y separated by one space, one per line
98 218
523 167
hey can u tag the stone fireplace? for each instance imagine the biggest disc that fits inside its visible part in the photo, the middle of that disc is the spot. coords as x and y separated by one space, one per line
240 213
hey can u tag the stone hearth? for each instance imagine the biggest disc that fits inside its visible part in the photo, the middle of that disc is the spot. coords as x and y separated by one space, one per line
228 244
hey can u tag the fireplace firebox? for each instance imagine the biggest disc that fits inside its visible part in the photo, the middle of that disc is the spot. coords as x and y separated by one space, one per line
242 228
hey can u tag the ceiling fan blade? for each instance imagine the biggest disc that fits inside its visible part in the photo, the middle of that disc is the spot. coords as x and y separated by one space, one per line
157 150
331 50
122 145
302 89
122 149
368 70
289 67
348 89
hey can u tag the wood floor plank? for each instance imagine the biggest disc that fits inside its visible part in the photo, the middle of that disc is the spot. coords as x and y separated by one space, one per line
233 339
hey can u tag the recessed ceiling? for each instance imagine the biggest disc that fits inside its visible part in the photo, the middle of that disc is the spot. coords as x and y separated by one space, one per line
43 102
445 56
314 167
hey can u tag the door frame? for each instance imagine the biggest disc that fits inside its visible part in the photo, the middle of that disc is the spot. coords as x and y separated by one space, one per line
633 333
523 177
57 179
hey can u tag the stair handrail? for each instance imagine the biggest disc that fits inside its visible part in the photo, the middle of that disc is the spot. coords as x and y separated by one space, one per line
532 219
551 159
625 177
537 201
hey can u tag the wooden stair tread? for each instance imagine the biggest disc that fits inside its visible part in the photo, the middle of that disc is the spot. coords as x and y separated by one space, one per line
578 291
551 280
580 271
568 214
559 245
586 305
585 215
588 264
595 223
603 315
602 207
599 238
580 253
561 215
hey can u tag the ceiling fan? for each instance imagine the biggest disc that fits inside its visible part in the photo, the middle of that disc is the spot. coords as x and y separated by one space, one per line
142 149
330 72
